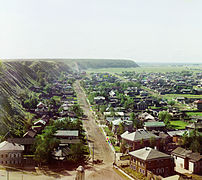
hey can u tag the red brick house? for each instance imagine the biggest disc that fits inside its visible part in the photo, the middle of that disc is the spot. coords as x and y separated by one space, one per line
148 160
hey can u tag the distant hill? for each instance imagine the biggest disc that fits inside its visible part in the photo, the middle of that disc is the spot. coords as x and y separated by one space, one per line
84 64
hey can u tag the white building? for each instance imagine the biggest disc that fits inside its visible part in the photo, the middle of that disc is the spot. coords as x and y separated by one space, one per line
11 153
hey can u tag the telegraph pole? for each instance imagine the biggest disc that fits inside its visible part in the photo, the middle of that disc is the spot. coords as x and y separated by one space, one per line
7 175
93 153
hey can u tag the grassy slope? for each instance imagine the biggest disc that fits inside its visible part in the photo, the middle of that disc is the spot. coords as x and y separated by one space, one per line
16 77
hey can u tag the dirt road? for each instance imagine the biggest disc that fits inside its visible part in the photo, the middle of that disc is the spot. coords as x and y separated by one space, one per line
102 150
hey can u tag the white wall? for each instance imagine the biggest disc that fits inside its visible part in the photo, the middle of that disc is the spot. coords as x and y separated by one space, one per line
179 162
191 166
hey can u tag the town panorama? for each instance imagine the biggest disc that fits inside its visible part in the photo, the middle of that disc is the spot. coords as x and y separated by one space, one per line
109 119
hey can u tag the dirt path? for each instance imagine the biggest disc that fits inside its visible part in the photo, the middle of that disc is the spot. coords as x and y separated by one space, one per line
102 150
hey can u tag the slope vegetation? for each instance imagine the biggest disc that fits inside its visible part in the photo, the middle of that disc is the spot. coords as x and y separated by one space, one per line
15 79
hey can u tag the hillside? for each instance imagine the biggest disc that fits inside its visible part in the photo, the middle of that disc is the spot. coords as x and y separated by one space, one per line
105 63
84 64
15 80
17 76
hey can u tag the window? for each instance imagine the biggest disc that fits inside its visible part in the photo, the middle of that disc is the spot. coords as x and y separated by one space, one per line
162 170
2 156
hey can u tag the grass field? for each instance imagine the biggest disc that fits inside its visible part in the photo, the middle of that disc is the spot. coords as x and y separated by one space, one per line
172 96
57 98
178 124
162 69
194 113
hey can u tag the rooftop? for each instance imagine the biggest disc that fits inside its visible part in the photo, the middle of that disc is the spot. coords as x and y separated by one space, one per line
187 153
138 135
148 153
67 133
154 124
8 146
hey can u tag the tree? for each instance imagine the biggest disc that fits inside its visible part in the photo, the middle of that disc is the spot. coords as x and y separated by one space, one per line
77 110
152 141
171 103
103 108
44 145
165 116
121 129
123 147
192 141
78 153
132 116
136 122
110 126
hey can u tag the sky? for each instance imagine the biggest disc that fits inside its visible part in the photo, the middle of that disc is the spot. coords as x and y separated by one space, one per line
141 30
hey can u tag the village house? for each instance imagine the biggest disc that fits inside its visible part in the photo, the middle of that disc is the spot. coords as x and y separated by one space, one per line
139 139
141 105
127 124
195 126
30 134
147 160
176 135
99 99
11 153
146 117
120 114
186 159
155 125
199 105
67 134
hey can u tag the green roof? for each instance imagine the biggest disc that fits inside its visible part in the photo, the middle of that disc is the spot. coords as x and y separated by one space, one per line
154 124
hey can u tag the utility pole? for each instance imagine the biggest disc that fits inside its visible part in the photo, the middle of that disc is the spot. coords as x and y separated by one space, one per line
7 175
114 157
93 153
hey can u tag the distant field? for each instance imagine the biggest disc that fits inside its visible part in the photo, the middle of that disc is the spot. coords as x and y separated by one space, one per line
178 124
194 113
147 69
171 96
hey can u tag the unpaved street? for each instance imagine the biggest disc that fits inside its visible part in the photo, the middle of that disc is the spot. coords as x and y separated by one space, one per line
101 148
102 151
